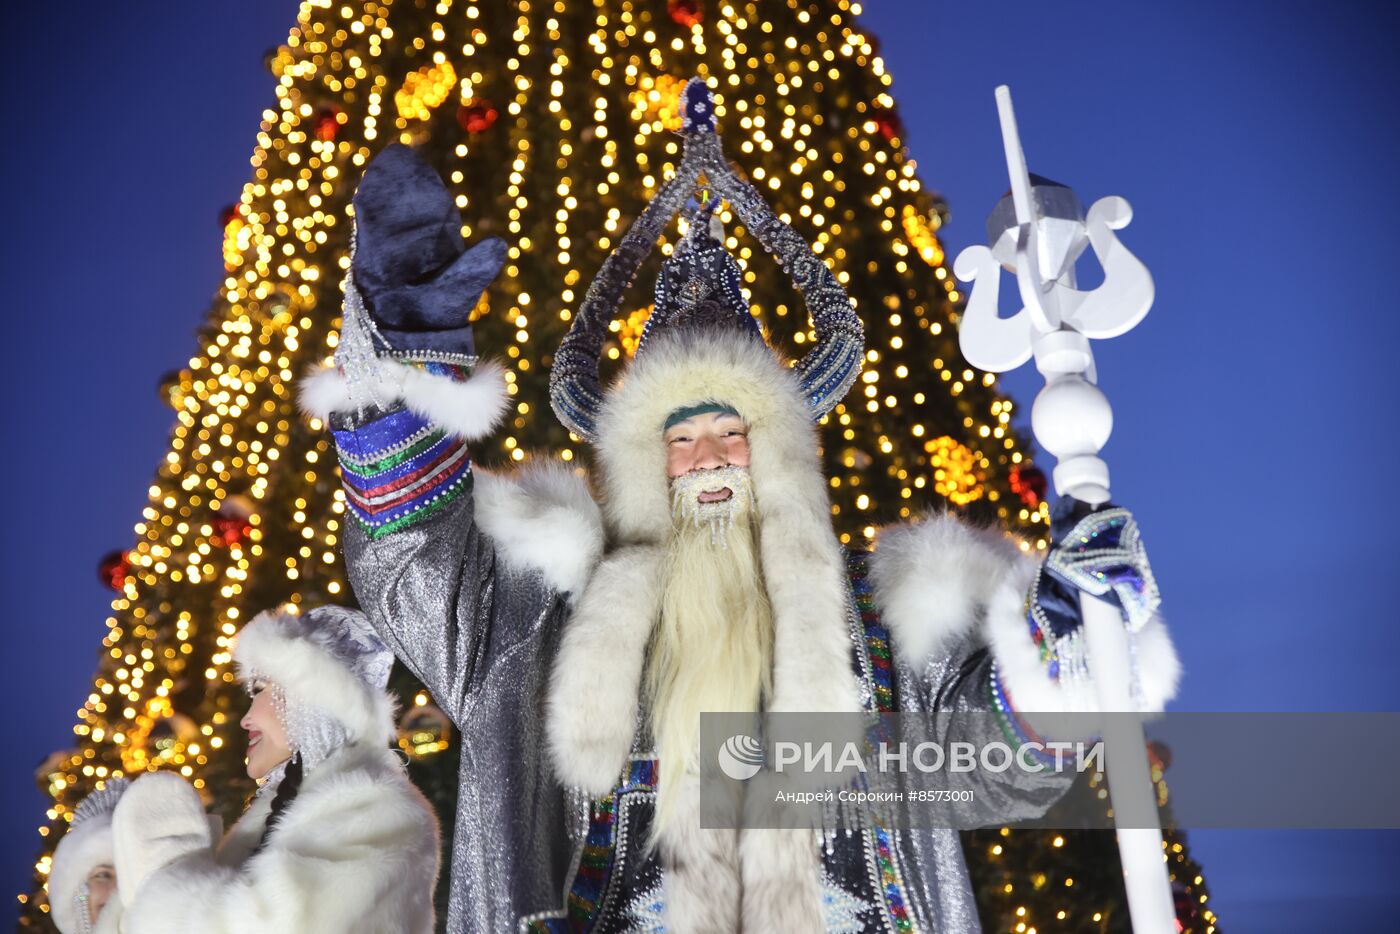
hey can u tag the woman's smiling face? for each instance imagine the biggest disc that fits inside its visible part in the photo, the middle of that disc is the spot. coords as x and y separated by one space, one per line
267 737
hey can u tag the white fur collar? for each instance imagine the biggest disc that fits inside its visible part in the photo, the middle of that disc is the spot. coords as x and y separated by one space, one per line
343 765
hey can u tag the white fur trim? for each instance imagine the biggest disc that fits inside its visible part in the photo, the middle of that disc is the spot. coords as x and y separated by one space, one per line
239 844
470 409
592 709
684 368
542 519
1028 681
718 881
356 850
780 872
82 849
109 920
701 878
159 820
933 580
322 392
1159 667
274 646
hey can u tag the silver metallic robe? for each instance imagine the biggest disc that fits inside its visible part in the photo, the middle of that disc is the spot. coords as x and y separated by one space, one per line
482 637
481 640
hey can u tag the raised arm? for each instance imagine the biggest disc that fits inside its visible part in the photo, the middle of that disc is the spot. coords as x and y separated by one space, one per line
406 397
453 566
415 556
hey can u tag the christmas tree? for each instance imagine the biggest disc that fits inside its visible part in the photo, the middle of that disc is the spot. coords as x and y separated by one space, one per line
551 123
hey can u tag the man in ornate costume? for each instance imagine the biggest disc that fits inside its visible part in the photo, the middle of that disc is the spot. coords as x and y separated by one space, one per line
575 646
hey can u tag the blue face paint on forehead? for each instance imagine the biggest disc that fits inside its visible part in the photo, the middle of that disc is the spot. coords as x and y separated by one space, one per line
700 408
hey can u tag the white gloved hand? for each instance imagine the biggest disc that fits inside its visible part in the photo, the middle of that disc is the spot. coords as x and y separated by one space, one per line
158 820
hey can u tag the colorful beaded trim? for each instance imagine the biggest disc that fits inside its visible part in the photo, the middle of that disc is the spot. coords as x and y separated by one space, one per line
890 883
1016 731
1042 634
596 860
400 469
877 646
877 638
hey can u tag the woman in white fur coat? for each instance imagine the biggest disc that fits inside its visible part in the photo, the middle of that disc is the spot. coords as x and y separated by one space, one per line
337 838
83 880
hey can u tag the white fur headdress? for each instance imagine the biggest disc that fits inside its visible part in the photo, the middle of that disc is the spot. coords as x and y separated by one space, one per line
327 660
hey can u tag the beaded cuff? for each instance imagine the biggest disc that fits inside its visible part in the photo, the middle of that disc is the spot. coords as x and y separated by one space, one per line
400 469
1052 616
1101 555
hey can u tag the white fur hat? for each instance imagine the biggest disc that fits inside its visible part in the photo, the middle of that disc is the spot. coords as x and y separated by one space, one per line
86 845
685 367
328 660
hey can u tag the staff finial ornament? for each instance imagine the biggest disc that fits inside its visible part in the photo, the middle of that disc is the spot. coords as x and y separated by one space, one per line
1037 232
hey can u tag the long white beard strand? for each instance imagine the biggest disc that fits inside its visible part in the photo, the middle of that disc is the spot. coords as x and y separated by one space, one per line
712 650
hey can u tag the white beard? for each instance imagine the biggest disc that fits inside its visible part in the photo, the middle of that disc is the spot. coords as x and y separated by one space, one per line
688 511
712 649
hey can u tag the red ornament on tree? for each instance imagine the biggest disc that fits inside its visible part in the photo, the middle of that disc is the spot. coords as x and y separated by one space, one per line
227 215
114 569
327 123
231 529
1159 754
232 522
889 124
689 13
1028 483
477 115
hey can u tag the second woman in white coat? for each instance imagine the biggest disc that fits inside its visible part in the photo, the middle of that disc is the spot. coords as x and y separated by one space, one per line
337 838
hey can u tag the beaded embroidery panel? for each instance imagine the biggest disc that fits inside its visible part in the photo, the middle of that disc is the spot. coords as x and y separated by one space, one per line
874 663
617 823
399 469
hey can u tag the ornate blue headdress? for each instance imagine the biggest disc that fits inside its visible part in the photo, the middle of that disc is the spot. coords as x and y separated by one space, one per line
699 282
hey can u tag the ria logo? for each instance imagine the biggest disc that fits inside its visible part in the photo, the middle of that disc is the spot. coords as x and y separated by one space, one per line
741 757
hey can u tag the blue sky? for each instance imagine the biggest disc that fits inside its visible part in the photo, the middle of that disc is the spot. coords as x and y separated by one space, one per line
1255 405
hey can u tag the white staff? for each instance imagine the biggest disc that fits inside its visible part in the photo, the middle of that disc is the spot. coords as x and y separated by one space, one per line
1039 235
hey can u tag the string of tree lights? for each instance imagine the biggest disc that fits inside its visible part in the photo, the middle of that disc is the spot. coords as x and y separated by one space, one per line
551 122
